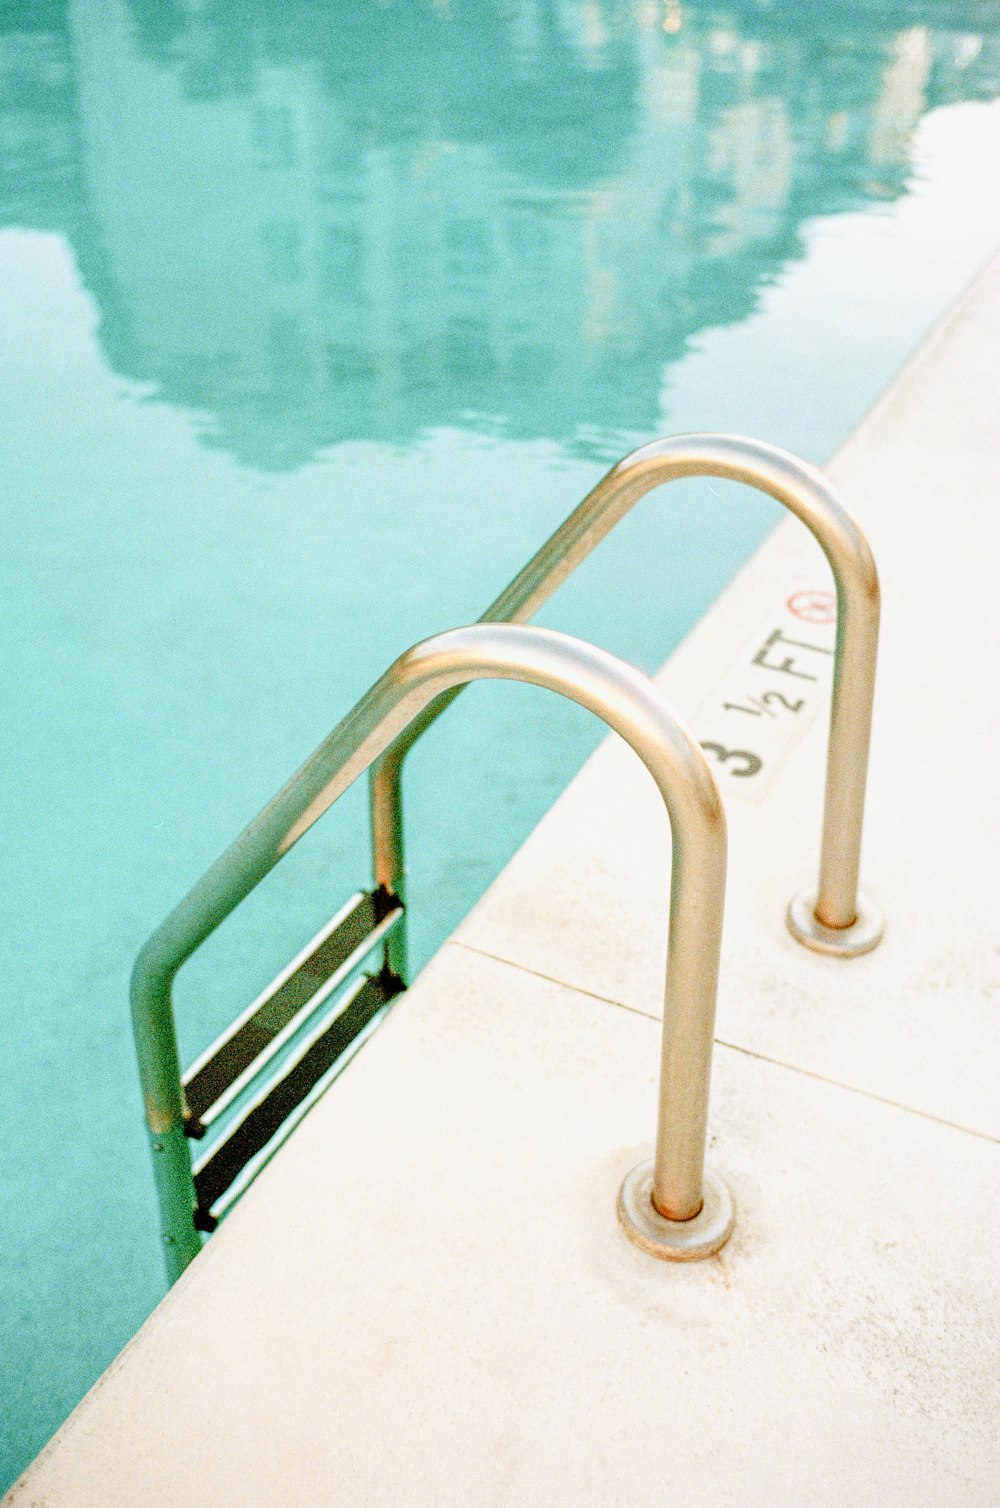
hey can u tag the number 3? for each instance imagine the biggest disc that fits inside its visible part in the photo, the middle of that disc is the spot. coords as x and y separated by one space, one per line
753 764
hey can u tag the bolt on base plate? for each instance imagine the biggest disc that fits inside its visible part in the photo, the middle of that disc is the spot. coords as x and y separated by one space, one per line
674 1240
864 933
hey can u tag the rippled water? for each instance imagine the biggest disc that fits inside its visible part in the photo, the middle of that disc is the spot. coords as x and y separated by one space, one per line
317 318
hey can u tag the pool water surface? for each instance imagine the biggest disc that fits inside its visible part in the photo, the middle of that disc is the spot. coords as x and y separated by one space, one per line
317 319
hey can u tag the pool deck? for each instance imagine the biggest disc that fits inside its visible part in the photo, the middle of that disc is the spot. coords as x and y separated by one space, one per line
426 1298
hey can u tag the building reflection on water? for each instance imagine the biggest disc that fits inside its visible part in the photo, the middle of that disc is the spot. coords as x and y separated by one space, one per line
312 222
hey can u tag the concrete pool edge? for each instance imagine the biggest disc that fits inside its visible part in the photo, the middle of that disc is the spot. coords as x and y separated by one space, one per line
877 1053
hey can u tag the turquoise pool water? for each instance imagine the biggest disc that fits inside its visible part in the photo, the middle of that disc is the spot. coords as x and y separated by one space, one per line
317 319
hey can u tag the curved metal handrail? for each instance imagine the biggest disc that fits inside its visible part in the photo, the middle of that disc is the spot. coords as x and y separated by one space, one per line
688 1222
831 920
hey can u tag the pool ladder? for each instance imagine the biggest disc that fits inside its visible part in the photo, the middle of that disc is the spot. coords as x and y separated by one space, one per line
249 1090
307 993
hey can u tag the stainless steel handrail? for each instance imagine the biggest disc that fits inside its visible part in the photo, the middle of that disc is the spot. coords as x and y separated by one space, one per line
833 918
680 1214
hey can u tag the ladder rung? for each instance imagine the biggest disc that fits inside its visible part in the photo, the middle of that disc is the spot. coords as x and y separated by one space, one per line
215 1079
275 1107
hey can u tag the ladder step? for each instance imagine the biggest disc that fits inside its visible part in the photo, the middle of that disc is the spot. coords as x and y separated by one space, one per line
215 1079
274 1110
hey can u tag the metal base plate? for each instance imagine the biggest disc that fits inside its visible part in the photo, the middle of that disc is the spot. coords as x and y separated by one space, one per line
674 1240
864 933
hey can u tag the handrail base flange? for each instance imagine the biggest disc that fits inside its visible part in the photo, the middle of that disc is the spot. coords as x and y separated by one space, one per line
675 1240
864 933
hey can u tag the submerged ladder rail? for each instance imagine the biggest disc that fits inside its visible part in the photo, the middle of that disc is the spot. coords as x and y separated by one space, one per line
690 1216
833 917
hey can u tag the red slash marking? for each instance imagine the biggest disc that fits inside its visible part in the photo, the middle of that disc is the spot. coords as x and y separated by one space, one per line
814 606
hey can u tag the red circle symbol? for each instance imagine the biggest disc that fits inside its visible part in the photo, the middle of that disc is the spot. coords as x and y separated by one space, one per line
814 606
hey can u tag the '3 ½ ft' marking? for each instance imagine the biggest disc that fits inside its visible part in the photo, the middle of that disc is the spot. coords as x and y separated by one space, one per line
769 694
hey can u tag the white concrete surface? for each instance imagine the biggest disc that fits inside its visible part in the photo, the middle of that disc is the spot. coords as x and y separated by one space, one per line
425 1300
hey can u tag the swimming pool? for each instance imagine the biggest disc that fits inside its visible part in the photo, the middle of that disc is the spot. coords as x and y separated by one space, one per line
319 318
